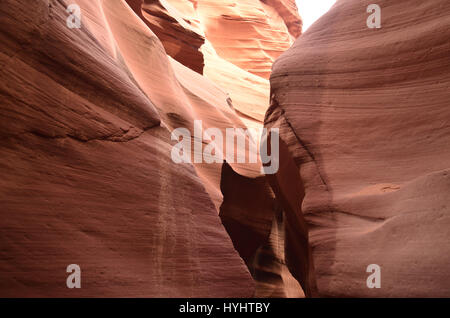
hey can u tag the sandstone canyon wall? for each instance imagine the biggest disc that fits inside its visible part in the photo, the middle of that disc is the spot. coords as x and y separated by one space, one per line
88 178
86 116
233 43
365 116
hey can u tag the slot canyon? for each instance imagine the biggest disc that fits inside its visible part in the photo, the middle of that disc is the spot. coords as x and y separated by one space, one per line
87 177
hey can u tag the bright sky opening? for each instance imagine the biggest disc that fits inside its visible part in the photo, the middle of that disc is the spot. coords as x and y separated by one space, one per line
311 10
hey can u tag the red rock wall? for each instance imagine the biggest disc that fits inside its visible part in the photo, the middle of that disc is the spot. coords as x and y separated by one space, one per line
87 176
181 39
251 34
248 33
233 43
365 115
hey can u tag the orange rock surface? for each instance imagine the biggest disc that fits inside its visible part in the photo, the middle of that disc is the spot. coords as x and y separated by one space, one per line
233 43
364 115
87 173
87 176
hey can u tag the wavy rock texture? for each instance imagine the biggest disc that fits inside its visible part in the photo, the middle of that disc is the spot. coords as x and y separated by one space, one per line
364 115
180 35
250 34
247 98
259 33
87 176
233 43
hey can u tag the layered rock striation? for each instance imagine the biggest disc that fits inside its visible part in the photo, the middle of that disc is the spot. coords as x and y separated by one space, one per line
87 176
87 172
364 115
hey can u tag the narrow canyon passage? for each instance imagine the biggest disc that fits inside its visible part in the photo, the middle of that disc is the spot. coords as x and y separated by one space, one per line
91 111
128 129
209 37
